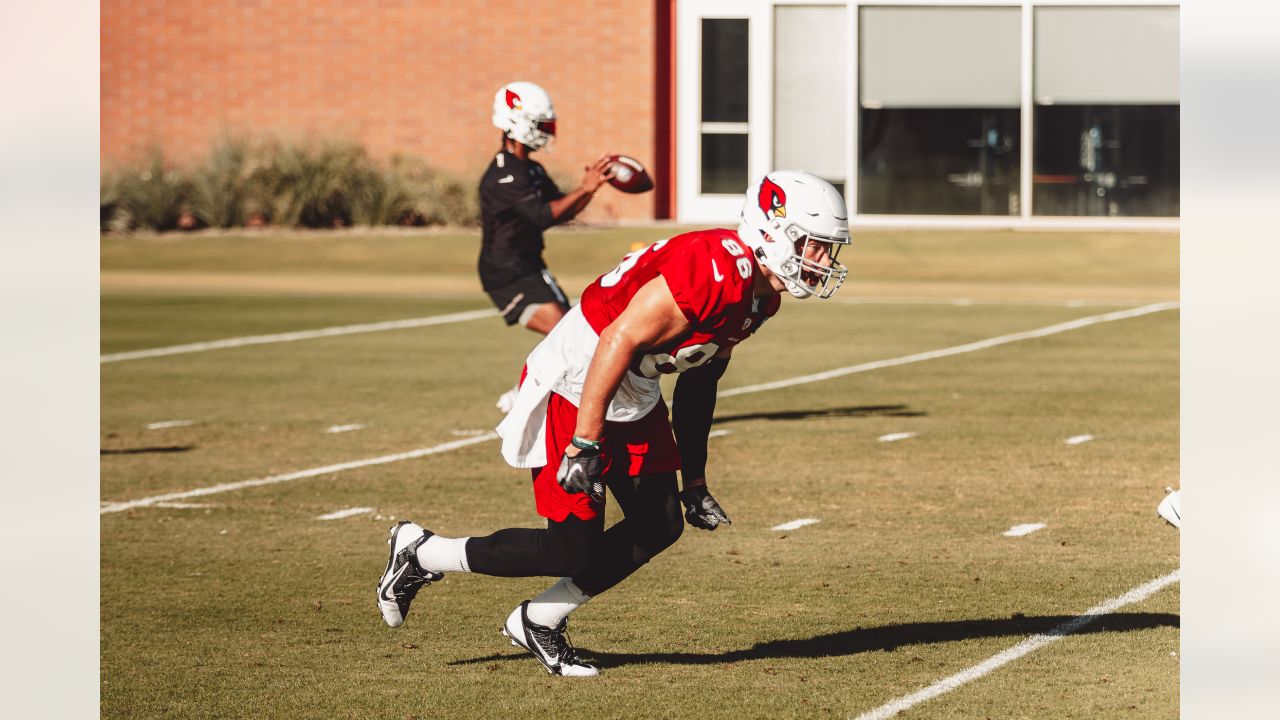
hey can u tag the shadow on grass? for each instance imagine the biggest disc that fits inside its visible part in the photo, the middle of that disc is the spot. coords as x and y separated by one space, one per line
854 411
884 638
146 450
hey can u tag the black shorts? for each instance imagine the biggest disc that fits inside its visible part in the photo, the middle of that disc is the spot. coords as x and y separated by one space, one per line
512 300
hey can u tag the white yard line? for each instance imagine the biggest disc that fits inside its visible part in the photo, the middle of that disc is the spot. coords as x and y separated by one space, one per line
170 424
1030 645
299 475
313 472
894 437
349 512
1077 439
956 350
344 428
1024 529
796 524
299 335
184 506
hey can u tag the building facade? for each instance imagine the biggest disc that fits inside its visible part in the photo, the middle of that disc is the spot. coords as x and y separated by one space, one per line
981 113
1006 114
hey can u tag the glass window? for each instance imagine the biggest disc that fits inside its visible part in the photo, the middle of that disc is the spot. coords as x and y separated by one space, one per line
724 70
941 57
724 163
1106 160
926 161
724 127
809 90
1100 55
939 120
1106 111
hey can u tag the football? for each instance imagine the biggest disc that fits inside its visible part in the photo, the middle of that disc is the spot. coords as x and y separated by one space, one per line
629 175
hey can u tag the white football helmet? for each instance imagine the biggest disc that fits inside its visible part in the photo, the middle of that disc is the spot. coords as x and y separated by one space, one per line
523 111
796 223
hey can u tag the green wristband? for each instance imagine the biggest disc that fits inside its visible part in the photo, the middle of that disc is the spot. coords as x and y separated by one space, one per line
583 444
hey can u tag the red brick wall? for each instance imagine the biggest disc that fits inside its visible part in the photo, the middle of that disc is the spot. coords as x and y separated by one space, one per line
394 75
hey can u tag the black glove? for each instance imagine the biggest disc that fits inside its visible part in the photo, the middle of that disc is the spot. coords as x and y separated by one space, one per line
583 474
702 510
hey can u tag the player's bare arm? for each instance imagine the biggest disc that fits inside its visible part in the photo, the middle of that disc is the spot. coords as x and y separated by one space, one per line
595 175
651 319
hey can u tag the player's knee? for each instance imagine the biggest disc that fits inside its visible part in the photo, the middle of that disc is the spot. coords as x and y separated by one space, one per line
673 528
543 317
664 532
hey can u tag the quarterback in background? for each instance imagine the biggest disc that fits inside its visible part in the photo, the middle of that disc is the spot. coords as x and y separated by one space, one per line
590 412
517 202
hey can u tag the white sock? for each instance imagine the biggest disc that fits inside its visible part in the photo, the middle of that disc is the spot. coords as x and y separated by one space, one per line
441 554
556 602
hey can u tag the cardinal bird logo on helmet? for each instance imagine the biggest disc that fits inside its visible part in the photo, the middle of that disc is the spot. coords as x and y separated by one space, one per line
773 201
513 101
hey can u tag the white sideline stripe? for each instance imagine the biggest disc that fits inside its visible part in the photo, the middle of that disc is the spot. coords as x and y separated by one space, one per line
956 350
184 506
894 437
339 514
718 433
1077 439
1030 645
796 524
1050 330
299 335
345 428
299 475
169 424
1024 529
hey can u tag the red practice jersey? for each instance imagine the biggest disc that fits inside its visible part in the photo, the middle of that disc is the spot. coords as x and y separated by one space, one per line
710 273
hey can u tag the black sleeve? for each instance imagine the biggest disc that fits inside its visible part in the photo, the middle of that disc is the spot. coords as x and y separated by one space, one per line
692 408
516 196
550 191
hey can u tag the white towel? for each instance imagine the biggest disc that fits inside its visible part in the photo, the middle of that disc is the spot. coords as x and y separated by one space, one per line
523 430
559 364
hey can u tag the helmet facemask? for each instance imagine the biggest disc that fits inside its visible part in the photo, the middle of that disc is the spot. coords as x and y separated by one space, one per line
807 264
535 132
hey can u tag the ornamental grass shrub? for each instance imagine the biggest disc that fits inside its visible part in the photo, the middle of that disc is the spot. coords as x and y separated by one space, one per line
322 184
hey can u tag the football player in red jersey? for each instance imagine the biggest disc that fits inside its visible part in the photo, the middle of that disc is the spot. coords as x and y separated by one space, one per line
590 412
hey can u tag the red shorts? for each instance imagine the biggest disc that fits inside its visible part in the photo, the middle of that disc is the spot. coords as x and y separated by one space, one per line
644 447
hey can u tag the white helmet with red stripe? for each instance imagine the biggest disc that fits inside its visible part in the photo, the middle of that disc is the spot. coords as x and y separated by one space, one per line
795 223
523 111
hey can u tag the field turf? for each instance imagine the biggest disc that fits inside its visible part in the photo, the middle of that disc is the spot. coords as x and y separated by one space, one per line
243 604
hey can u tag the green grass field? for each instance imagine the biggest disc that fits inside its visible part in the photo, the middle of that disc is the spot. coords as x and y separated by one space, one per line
248 606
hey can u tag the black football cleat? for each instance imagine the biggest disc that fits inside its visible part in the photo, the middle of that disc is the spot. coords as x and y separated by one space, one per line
404 576
549 645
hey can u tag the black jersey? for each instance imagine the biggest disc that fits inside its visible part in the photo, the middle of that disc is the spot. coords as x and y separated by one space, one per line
514 197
